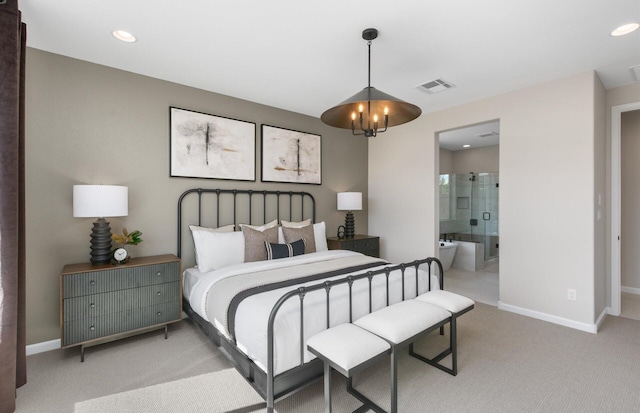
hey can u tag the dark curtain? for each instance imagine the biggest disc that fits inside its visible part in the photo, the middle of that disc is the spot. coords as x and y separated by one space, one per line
13 371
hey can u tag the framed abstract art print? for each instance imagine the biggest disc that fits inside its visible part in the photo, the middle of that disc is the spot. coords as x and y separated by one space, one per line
291 156
209 146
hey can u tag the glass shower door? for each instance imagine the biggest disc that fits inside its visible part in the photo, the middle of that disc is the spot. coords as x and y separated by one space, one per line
488 186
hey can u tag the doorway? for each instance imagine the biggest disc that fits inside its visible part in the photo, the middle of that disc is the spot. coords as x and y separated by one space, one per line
625 290
469 210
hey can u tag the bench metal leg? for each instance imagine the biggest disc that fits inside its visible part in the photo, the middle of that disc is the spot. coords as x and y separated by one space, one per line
394 379
327 388
453 344
435 361
367 405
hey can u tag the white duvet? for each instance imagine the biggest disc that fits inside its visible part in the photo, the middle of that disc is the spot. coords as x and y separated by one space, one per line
252 314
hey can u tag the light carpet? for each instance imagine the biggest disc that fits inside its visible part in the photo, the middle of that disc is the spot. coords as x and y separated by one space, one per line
630 306
205 393
507 363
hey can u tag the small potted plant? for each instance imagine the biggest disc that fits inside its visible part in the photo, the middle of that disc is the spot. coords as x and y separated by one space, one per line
121 255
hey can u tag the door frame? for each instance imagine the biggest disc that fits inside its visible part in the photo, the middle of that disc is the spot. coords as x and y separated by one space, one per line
616 201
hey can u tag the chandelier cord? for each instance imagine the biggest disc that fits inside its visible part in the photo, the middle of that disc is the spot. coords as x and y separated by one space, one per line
368 92
369 66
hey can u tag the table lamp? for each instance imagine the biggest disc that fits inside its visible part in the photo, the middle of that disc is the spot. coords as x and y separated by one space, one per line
349 201
100 201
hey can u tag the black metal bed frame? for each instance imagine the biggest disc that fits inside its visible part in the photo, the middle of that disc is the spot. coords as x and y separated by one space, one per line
268 385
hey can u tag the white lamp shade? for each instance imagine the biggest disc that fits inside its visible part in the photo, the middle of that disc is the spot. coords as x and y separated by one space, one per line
96 201
349 201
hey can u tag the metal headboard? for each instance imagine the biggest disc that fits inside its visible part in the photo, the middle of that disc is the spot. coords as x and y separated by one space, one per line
243 200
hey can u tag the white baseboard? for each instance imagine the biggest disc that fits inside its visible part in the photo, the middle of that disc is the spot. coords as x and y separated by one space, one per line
589 328
42 347
630 290
600 319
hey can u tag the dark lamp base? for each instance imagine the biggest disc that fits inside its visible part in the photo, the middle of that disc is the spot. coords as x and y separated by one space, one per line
100 242
349 225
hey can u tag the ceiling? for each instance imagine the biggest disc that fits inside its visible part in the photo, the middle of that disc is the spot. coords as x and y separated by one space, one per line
476 136
307 56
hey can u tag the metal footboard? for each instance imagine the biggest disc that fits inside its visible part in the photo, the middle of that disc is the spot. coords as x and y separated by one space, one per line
327 286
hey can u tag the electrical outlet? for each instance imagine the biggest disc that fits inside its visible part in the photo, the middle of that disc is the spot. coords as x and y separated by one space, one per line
571 294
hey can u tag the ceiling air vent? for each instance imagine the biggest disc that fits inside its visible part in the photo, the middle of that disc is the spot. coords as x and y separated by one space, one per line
436 86
489 134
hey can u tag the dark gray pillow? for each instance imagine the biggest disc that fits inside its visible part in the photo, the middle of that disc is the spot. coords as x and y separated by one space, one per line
254 242
275 251
304 233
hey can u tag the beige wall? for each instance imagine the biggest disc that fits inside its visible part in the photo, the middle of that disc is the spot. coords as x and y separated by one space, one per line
620 96
446 161
630 236
485 159
547 177
87 123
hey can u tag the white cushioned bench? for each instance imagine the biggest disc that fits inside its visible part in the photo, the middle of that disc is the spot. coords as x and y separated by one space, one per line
348 349
351 348
400 324
455 304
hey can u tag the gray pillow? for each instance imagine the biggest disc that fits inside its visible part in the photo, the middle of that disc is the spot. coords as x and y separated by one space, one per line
304 233
254 240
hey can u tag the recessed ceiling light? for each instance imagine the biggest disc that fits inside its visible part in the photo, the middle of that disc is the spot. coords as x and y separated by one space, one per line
625 29
466 146
124 36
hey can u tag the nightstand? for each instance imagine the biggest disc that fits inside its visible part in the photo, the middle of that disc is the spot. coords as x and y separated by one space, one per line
100 303
366 244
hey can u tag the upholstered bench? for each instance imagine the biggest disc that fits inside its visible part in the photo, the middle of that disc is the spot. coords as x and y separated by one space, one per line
455 304
400 324
349 350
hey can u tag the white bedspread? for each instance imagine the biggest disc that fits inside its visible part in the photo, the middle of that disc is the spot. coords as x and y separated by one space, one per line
253 313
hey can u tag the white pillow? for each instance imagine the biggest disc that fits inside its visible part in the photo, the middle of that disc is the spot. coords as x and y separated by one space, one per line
226 228
298 224
261 227
218 249
319 236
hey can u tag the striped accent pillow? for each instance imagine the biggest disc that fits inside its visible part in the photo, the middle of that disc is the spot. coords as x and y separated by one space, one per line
275 251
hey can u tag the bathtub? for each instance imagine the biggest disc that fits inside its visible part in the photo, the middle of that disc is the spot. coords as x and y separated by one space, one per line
447 253
469 256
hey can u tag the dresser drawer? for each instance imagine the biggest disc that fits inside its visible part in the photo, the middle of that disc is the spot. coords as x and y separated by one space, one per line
105 325
94 282
99 304
364 245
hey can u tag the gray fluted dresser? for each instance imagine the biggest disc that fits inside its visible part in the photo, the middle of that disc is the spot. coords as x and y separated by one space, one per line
106 302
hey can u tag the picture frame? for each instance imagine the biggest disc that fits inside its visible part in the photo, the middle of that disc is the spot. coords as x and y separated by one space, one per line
290 156
211 147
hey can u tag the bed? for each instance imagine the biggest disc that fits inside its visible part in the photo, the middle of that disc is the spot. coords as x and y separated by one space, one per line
261 312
